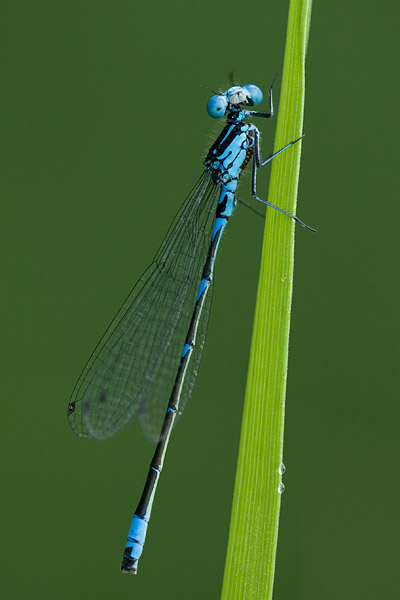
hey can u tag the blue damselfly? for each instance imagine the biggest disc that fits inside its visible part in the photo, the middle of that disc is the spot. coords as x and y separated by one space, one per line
151 351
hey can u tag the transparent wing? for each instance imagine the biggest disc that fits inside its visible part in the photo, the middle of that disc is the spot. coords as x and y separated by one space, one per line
152 417
134 365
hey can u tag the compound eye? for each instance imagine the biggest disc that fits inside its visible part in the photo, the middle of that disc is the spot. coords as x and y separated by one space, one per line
254 92
216 106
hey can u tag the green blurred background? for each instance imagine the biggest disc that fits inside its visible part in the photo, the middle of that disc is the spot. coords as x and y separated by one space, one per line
104 133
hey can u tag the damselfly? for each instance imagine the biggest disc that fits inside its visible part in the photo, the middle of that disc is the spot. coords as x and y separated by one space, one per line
151 351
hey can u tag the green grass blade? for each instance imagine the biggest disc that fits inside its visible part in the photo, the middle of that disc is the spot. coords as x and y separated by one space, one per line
250 562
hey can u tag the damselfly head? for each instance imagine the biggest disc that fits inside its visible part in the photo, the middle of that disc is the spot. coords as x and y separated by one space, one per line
248 95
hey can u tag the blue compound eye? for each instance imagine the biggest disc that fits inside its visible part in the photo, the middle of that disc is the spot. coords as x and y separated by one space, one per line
255 93
216 106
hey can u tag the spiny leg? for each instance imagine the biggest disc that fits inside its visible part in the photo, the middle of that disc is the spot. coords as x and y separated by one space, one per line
257 163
